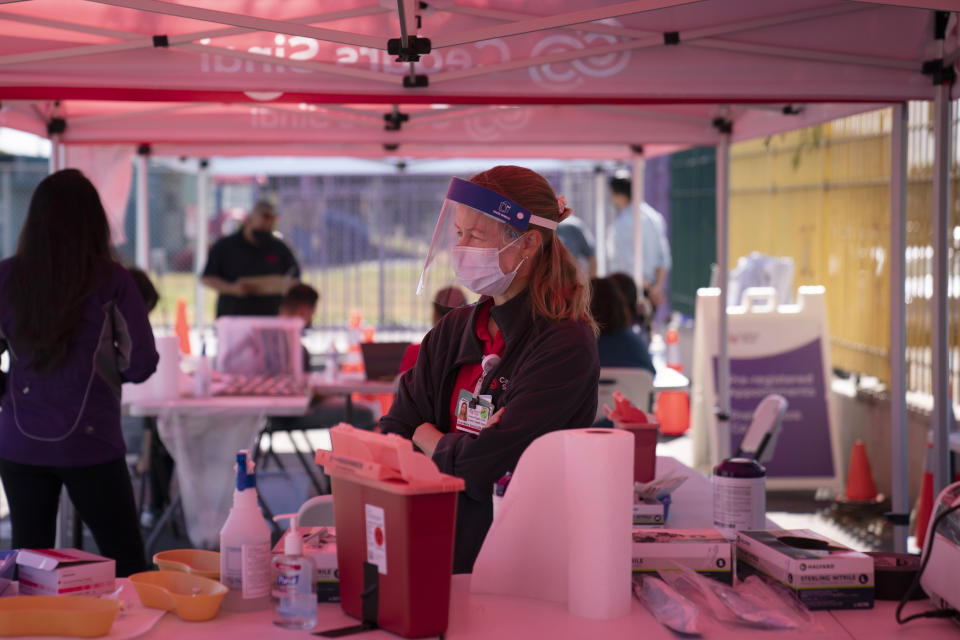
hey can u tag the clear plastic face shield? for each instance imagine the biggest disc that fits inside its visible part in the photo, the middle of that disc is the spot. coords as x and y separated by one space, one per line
476 243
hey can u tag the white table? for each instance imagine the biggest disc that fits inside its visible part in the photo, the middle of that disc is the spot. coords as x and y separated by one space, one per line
486 617
474 616
347 383
667 379
203 436
691 504
226 405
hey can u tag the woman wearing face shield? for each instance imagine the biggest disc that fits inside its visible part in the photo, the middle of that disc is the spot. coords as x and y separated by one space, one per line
523 358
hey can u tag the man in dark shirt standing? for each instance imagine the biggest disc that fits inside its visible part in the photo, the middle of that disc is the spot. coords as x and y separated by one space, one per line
251 268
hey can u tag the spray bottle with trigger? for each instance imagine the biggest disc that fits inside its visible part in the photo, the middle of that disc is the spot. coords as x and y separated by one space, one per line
245 545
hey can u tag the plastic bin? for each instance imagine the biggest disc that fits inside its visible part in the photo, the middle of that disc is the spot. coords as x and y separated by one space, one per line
644 448
259 345
395 515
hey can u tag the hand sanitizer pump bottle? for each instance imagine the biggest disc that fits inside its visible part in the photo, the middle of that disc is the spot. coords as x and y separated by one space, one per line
294 590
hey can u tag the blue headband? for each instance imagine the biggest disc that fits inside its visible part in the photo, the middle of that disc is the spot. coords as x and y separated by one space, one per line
493 204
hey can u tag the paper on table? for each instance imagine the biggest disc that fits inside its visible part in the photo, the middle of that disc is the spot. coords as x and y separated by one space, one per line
165 382
562 532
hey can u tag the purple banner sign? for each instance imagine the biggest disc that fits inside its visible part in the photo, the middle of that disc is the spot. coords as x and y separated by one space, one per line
804 448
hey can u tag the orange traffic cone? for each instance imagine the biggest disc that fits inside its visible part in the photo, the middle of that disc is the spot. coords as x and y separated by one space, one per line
673 412
860 485
181 327
925 500
673 407
672 351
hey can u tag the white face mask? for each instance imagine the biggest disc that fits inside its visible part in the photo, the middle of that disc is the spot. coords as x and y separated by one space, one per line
478 269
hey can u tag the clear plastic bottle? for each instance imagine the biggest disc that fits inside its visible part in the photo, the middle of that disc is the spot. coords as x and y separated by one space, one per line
245 545
331 364
294 592
201 375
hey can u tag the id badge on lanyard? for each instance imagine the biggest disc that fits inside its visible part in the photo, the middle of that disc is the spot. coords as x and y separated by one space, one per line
473 409
473 412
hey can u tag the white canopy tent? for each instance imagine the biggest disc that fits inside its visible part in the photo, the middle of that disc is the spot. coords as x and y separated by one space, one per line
670 71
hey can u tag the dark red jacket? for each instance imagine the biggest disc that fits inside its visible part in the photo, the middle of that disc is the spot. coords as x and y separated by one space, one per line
547 380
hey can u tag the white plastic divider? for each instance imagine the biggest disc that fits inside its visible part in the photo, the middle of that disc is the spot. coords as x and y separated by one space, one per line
781 349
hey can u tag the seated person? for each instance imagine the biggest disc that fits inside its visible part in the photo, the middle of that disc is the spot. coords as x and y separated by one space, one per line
618 345
301 302
446 300
640 309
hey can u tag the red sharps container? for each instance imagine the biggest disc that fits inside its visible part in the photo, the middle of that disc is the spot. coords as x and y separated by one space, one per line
395 515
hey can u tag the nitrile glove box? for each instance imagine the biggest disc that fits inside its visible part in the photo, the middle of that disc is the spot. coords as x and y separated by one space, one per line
8 561
650 511
64 572
705 551
834 577
320 545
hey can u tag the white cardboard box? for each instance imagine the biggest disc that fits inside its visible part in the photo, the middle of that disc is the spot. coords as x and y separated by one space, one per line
649 511
705 551
834 577
322 549
58 572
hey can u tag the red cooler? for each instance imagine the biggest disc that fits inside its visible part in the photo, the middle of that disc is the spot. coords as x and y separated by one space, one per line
395 515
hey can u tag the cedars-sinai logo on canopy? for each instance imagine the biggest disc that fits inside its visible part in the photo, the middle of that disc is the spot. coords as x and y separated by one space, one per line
497 123
572 73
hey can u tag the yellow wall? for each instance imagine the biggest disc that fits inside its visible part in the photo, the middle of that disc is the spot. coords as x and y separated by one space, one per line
821 196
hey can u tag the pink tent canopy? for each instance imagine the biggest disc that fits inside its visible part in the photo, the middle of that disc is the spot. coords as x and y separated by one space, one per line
480 52
675 66
602 131
258 77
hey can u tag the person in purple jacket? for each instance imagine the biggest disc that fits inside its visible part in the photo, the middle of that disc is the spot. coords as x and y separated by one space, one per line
75 327
523 359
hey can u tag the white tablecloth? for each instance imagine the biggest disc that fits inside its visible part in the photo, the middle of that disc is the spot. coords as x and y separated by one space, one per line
500 618
203 436
483 617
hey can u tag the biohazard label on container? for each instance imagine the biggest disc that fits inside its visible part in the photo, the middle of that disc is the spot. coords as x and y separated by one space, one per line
376 537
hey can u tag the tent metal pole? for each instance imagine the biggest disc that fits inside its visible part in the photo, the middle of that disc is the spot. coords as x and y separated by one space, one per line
600 225
603 28
705 35
723 262
381 255
7 183
54 163
555 21
253 23
898 332
636 200
143 211
129 41
200 246
801 54
321 67
940 418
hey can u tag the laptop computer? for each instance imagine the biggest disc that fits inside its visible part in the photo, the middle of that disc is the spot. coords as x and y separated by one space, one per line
381 360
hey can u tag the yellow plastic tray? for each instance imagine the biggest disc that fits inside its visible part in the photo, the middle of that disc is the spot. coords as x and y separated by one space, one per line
77 616
189 596
196 561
